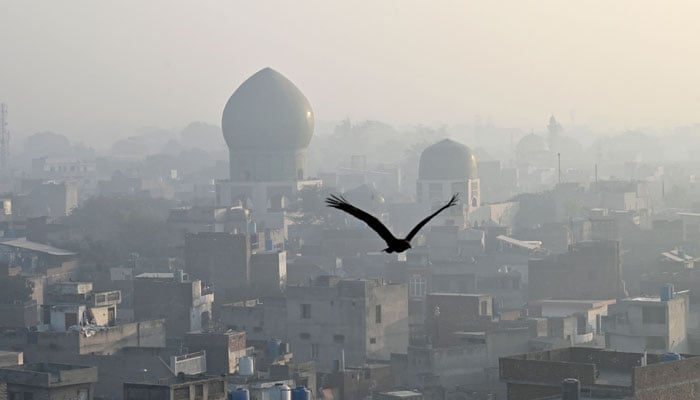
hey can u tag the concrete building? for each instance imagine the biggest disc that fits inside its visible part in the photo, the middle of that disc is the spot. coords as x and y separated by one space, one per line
181 387
447 168
210 219
185 305
585 318
653 324
48 198
223 349
589 270
49 381
357 382
57 265
220 259
269 272
367 319
76 304
448 313
11 358
603 374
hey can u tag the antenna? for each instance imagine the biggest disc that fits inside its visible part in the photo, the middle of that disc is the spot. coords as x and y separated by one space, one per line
596 175
559 163
4 140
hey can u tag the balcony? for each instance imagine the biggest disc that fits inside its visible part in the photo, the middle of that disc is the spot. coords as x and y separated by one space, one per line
104 299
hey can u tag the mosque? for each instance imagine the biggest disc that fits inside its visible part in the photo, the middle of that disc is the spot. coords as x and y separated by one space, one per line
268 124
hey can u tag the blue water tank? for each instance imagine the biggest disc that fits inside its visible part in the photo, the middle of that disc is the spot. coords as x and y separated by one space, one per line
273 348
239 394
667 357
666 292
301 393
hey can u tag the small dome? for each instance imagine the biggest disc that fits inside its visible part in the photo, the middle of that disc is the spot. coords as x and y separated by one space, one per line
447 160
531 144
268 112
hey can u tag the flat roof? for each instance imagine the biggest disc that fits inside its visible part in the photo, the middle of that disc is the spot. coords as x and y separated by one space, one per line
579 303
401 393
459 294
525 244
25 244
156 275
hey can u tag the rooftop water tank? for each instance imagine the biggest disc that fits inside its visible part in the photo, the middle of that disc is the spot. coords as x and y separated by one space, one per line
570 389
280 392
668 357
246 366
239 394
301 393
273 348
666 292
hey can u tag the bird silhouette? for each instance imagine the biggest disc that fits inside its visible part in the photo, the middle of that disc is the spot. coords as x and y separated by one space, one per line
396 245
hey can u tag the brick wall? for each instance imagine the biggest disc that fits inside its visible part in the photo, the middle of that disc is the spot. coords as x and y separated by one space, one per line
676 380
545 372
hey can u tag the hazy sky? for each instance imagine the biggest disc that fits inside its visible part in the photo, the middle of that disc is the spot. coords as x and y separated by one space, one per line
89 69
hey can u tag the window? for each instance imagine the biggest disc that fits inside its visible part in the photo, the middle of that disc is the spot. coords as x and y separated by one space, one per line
378 314
581 325
339 338
653 315
484 307
655 343
257 329
315 350
306 311
304 336
417 286
372 340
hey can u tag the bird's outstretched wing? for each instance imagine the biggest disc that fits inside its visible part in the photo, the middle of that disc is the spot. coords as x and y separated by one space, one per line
421 224
340 203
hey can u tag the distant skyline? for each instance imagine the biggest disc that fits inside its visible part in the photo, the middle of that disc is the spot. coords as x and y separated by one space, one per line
97 71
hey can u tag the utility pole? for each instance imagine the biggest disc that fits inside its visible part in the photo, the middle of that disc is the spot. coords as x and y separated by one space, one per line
4 141
559 166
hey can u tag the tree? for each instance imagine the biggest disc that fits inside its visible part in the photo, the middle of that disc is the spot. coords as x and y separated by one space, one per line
15 289
105 230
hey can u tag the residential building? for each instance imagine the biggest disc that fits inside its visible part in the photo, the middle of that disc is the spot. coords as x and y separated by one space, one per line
49 381
589 270
76 304
654 324
181 387
220 259
185 305
367 319
223 349
585 316
602 374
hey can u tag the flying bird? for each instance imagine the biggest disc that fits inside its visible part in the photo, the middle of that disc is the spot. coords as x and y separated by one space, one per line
395 244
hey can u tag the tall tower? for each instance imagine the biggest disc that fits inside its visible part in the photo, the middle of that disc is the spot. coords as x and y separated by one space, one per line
4 141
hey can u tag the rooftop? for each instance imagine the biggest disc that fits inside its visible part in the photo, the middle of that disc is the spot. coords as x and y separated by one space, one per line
48 375
401 394
24 244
